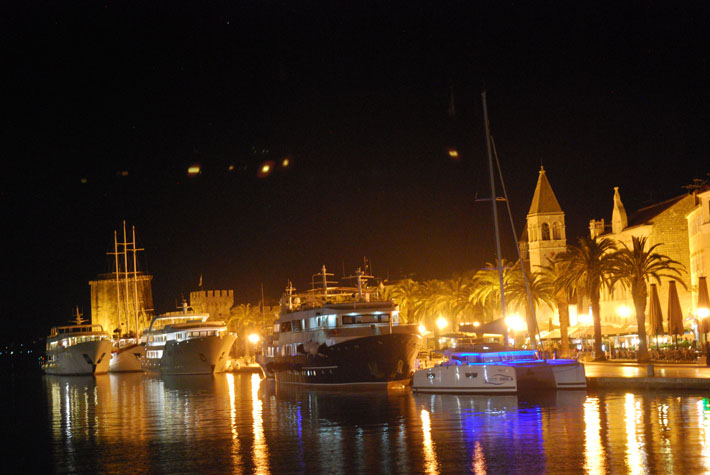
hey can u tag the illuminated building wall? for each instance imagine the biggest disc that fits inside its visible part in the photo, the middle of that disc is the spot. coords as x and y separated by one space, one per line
663 223
215 302
699 240
544 237
107 306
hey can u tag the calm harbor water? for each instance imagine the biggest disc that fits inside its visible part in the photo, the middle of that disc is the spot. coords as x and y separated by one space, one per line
235 423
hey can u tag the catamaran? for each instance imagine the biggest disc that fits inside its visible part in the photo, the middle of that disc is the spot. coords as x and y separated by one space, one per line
494 368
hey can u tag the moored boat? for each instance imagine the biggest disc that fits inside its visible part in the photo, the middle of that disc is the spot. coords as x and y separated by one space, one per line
489 368
78 349
340 337
186 343
126 356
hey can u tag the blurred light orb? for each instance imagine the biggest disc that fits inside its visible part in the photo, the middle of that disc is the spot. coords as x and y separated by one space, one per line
286 162
265 169
194 169
703 312
623 311
422 330
515 322
441 323
254 338
453 153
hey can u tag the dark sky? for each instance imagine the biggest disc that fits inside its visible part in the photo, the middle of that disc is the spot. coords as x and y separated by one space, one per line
357 93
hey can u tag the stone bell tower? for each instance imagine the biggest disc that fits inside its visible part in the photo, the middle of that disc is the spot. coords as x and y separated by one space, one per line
546 230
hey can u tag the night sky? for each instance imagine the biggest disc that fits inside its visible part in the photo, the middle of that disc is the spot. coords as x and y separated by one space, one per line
126 95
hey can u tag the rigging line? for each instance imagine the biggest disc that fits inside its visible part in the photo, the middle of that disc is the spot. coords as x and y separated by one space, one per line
517 247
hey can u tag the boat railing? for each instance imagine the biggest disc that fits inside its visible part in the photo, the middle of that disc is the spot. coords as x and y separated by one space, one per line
92 328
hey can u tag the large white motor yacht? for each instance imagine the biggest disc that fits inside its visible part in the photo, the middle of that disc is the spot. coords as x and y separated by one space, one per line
186 343
77 349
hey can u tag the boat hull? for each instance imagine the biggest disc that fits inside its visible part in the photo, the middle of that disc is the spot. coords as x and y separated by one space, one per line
379 362
204 355
127 359
466 379
91 357
550 374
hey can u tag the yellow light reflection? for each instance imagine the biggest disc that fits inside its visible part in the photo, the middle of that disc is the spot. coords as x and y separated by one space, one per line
704 426
634 460
431 464
233 420
594 455
193 170
479 460
260 452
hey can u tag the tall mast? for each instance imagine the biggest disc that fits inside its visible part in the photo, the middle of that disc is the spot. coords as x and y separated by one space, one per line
125 266
495 206
118 279
135 283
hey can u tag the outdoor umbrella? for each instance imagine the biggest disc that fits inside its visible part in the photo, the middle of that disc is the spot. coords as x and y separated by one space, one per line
655 317
675 313
703 305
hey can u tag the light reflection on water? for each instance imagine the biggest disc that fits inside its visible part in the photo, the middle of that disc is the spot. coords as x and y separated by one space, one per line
236 423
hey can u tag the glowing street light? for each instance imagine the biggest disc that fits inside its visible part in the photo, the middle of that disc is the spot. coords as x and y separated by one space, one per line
441 323
423 330
254 338
623 311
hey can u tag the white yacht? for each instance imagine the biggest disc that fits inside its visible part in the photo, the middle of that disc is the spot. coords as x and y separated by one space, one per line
126 356
186 343
490 368
78 349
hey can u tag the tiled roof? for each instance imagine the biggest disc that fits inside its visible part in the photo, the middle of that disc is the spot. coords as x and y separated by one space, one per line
544 200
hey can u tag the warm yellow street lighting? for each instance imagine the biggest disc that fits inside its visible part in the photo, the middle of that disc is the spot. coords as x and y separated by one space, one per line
441 323
476 324
515 322
254 338
423 330
623 311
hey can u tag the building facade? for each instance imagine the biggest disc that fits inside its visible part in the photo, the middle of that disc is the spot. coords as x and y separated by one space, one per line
699 242
664 224
217 303
118 304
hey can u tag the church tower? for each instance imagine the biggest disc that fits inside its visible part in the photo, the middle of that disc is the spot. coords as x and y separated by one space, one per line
545 228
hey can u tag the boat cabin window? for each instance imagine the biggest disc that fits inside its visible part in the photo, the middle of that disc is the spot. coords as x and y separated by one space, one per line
365 319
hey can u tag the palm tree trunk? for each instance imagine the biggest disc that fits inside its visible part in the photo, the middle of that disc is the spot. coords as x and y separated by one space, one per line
598 352
640 305
563 309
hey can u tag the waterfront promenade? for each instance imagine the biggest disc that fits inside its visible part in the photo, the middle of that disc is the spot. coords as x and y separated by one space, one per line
634 375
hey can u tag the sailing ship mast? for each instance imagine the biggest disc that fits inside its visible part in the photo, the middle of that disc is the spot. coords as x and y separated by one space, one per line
494 199
490 146
135 284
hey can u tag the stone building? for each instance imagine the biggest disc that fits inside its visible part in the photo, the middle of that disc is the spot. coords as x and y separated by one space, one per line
663 223
217 303
544 236
114 302
699 241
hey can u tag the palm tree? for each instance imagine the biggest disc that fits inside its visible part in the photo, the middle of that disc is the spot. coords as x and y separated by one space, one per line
590 265
243 317
550 277
535 292
405 294
635 268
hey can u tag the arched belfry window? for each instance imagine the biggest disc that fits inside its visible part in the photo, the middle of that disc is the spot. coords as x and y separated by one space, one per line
545 232
556 234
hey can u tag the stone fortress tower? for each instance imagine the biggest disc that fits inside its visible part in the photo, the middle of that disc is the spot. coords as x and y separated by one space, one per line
113 302
217 303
